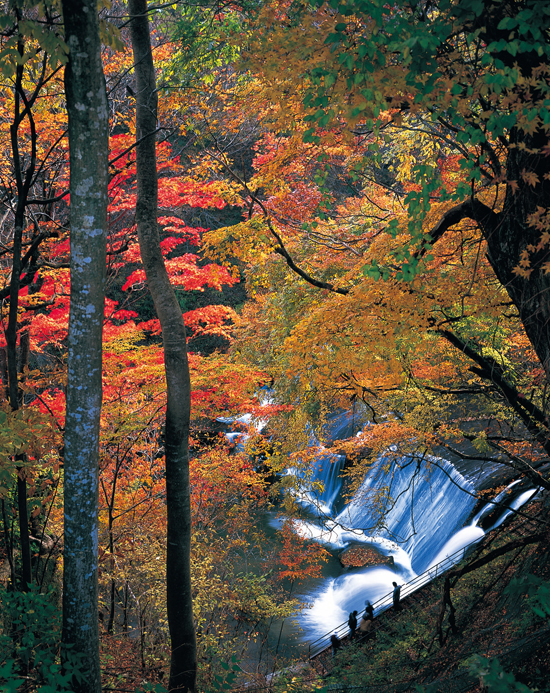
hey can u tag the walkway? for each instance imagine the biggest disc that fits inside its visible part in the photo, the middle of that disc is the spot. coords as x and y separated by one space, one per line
322 644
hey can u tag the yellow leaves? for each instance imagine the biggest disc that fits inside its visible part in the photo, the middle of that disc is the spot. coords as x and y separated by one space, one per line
480 443
530 177
340 337
248 241
409 144
369 342
26 432
540 220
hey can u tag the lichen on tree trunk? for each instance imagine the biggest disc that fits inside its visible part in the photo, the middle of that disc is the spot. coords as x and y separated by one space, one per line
88 144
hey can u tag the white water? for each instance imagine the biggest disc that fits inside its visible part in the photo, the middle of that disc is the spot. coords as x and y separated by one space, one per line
425 508
420 522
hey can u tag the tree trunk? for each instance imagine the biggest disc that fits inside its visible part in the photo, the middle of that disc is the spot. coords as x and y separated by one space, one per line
524 216
513 234
88 146
23 181
178 570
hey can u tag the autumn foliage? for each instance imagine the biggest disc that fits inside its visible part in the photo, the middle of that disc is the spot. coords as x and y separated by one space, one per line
353 204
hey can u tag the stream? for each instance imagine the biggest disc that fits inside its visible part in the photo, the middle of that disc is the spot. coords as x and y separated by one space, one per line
428 515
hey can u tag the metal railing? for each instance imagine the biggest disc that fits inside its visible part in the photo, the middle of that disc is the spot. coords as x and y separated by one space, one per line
385 602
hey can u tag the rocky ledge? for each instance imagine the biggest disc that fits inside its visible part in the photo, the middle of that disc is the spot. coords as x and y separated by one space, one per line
360 556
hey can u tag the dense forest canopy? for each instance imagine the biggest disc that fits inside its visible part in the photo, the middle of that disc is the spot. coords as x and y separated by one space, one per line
342 203
430 254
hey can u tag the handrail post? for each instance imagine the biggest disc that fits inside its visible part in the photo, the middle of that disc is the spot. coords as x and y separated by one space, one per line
385 602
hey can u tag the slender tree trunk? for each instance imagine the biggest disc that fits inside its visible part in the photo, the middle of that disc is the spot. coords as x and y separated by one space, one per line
9 544
125 618
23 181
178 570
24 541
88 147
110 508
22 505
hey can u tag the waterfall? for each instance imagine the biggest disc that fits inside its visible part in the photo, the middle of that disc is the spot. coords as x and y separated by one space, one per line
326 467
493 514
326 470
412 510
425 501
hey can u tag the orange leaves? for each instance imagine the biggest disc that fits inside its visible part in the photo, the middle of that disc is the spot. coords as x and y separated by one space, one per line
175 192
221 388
296 203
449 166
219 479
530 177
213 320
540 220
436 371
524 269
528 262
185 272
301 559
50 329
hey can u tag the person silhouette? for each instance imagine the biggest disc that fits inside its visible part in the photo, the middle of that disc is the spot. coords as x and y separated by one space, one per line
396 596
369 611
336 643
352 623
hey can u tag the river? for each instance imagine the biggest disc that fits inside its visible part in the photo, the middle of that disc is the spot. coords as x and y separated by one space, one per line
428 515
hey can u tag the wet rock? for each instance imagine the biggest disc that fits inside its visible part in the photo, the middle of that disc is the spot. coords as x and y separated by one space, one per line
360 556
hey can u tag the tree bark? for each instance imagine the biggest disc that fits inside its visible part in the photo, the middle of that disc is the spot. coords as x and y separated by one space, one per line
88 147
23 179
514 230
178 501
514 234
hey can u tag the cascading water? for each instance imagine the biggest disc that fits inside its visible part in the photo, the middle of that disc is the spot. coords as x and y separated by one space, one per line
326 467
412 511
326 470
425 507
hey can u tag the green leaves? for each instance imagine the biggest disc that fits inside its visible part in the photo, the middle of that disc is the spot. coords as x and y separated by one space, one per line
535 589
376 271
33 637
9 679
21 431
226 681
152 688
491 672
206 40
26 38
